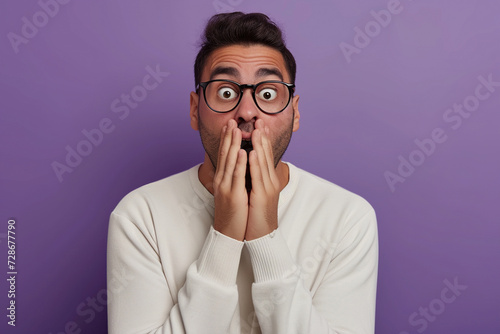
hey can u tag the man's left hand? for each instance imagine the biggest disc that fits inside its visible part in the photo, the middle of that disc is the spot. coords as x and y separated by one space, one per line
264 196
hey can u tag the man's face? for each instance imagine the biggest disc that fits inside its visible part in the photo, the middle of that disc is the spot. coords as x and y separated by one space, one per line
245 65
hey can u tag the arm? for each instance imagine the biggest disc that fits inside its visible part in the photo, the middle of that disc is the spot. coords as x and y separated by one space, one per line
140 300
345 300
208 301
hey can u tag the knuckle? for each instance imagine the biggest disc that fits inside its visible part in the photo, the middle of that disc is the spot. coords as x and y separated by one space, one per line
222 192
217 180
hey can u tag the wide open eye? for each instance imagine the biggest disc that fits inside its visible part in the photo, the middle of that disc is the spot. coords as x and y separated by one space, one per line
267 94
227 93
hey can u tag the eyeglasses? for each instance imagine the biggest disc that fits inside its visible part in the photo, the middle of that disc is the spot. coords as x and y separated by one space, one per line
270 96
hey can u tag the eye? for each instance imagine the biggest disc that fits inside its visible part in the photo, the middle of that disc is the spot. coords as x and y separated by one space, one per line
227 93
267 94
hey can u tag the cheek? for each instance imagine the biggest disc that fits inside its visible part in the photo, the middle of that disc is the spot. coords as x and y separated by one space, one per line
277 125
212 121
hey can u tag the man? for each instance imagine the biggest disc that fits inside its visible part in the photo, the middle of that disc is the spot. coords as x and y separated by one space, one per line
243 243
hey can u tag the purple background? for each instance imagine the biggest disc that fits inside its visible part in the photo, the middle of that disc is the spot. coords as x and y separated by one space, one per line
358 117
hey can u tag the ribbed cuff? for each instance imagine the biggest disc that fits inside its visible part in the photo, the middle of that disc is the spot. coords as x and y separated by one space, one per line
270 256
220 258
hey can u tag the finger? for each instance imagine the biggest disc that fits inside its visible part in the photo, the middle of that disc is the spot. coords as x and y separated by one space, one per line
255 172
240 171
225 142
265 142
268 150
218 168
261 155
232 156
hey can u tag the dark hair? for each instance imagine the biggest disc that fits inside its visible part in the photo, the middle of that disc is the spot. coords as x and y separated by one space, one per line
244 29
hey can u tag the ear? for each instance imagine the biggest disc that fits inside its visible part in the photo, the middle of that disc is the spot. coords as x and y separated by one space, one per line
193 110
296 117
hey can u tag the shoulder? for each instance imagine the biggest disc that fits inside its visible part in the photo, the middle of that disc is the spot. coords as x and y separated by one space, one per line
145 198
326 195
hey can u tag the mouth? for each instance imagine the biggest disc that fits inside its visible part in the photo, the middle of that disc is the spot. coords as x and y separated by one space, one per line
246 130
246 135
247 146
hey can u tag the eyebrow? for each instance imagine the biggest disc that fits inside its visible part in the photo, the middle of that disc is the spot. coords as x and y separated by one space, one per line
224 70
231 71
264 72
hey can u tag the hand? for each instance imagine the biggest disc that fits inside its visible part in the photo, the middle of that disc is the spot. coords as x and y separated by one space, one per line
230 195
264 196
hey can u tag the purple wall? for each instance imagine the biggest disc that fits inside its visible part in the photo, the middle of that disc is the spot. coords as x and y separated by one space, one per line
402 109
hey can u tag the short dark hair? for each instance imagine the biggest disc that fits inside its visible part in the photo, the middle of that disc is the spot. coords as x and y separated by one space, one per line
244 29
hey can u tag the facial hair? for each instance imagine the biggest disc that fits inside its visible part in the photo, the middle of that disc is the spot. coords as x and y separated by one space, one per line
211 143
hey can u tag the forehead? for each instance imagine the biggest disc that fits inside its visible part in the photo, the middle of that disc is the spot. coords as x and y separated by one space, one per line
247 60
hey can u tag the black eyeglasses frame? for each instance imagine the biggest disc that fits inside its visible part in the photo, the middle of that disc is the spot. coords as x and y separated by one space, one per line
291 90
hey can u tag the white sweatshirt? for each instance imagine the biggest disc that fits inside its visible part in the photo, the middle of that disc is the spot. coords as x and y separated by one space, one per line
169 271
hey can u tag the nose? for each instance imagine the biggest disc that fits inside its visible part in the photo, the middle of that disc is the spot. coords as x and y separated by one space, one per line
246 111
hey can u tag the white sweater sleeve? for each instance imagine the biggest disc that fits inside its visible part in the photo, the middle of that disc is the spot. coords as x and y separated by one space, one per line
345 299
139 299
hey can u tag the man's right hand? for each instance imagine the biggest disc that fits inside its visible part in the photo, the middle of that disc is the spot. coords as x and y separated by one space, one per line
230 195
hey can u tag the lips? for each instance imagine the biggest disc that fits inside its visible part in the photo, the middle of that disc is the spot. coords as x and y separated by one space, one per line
246 135
246 129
